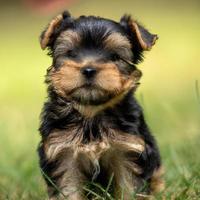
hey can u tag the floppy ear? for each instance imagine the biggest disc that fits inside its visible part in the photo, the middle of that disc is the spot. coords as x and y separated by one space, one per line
46 36
144 38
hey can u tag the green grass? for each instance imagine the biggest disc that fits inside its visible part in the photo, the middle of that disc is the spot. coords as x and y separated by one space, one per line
168 93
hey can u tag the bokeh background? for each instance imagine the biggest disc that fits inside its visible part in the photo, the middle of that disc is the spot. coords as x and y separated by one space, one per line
169 89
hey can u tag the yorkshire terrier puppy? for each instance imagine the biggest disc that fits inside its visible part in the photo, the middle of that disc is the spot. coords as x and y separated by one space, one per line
92 127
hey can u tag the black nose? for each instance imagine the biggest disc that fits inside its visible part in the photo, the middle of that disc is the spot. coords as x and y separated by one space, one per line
88 72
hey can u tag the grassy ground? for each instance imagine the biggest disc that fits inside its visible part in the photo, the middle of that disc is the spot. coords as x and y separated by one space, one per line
167 93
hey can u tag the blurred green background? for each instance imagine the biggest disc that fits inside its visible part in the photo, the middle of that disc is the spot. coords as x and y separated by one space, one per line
168 92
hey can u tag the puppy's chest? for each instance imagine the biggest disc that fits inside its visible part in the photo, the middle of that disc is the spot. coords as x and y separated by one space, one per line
90 142
86 139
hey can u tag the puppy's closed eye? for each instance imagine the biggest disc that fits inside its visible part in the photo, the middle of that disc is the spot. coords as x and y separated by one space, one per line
114 57
71 53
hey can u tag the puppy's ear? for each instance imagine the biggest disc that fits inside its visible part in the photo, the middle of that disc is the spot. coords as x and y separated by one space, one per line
52 28
138 33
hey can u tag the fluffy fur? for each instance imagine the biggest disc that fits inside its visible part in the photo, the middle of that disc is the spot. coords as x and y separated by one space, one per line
92 127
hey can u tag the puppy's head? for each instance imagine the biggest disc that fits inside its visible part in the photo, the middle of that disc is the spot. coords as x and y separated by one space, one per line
94 58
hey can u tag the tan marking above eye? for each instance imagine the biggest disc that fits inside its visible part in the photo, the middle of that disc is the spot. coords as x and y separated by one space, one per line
119 44
67 41
116 40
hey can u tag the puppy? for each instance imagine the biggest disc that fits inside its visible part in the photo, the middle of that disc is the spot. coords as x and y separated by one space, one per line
92 127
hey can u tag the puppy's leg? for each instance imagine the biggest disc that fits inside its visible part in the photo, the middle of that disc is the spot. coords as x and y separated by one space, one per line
126 180
62 175
120 160
126 183
157 183
131 173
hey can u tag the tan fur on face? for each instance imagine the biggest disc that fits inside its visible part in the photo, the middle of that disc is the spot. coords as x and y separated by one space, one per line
118 44
66 78
69 77
67 41
90 110
110 78
117 41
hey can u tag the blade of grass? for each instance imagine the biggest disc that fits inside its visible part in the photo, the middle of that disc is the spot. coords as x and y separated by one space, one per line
122 194
104 191
197 91
91 192
109 183
52 183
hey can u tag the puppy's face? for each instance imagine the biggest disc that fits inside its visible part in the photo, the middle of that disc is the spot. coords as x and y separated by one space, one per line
92 56
88 66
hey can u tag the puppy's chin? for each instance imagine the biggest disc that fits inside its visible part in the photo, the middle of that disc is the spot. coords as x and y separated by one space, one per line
91 96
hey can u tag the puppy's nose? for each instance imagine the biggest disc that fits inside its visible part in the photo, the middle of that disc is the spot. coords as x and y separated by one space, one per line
88 72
